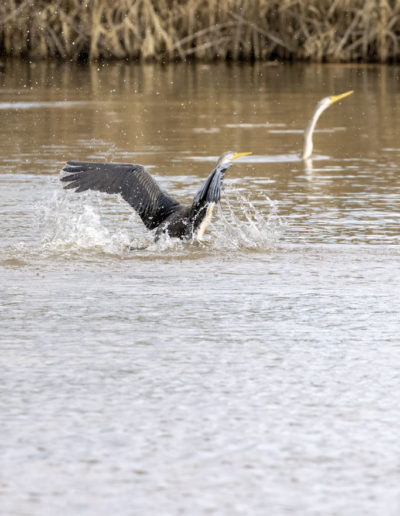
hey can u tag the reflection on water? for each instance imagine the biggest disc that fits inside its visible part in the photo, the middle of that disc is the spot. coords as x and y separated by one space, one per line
39 105
255 369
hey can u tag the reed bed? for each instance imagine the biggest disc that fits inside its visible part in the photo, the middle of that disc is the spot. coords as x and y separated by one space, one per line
164 30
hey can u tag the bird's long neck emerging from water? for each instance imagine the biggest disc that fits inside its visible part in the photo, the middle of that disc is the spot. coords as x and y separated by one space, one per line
308 133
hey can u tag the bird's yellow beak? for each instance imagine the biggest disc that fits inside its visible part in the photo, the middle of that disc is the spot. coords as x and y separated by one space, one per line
239 155
335 98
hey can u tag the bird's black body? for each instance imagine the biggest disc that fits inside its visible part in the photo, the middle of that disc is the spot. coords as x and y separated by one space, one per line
157 209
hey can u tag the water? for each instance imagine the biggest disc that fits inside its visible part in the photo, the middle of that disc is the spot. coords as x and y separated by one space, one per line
254 372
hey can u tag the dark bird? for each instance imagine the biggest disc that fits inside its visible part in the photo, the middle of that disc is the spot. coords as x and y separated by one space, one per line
157 209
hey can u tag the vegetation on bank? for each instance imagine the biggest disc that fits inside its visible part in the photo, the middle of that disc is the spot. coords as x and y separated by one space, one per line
311 30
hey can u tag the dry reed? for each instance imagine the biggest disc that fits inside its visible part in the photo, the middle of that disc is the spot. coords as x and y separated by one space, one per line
314 30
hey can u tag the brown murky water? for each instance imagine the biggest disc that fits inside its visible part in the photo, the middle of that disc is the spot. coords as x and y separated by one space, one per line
257 369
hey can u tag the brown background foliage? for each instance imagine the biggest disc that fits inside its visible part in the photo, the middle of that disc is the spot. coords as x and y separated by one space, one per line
314 30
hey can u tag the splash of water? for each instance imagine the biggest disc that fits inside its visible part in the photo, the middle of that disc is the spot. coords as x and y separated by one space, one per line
241 224
69 225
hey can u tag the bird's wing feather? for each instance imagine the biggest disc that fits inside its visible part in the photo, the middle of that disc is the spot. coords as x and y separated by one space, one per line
134 184
208 195
211 189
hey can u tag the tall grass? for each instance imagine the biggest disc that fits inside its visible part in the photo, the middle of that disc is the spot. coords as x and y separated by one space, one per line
312 30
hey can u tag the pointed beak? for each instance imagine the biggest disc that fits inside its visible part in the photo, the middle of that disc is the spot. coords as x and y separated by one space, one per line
336 98
239 155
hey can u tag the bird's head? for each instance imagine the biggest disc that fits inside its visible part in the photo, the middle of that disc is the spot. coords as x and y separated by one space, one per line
227 158
328 101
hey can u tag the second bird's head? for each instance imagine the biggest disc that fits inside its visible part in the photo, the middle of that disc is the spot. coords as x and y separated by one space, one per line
328 101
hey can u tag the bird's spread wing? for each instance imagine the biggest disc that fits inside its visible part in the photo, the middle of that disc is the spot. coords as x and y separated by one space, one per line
134 184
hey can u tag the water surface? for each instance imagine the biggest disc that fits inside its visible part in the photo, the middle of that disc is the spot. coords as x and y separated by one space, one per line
257 369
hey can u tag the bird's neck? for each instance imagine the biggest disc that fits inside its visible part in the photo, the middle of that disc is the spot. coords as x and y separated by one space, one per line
222 168
308 133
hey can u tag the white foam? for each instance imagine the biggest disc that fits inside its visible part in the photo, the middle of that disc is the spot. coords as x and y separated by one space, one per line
70 224
67 226
240 224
